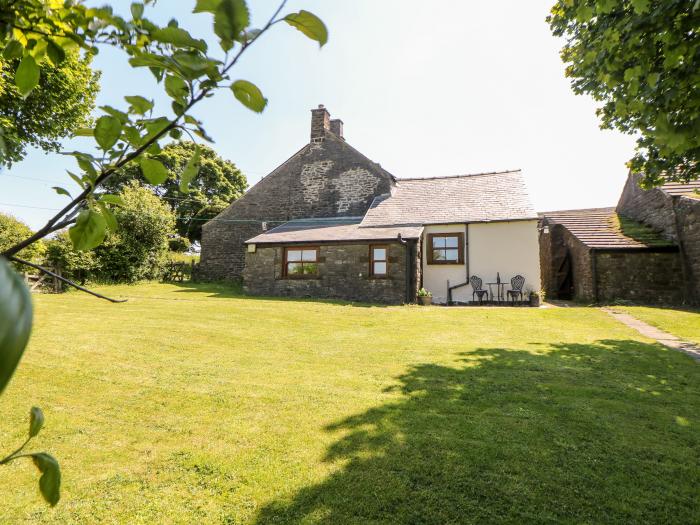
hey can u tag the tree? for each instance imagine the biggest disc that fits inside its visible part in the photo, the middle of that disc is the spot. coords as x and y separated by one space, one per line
641 60
12 231
138 248
37 30
218 184
60 104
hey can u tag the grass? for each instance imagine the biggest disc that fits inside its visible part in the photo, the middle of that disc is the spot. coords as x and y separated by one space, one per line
192 404
683 323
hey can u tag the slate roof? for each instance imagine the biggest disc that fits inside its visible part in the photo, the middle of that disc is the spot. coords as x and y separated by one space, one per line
690 189
482 197
332 229
603 228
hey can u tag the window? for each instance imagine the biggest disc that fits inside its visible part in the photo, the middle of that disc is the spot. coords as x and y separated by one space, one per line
446 248
300 262
378 261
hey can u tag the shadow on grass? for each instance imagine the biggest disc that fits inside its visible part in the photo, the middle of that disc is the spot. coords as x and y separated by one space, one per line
232 290
566 433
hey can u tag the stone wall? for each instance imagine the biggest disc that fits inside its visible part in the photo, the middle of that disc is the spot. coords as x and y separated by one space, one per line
639 276
678 218
343 274
553 248
652 207
688 216
327 178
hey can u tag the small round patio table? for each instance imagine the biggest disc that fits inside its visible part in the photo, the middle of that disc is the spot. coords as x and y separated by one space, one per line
500 290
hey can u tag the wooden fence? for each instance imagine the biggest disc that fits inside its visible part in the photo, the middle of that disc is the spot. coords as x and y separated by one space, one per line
43 282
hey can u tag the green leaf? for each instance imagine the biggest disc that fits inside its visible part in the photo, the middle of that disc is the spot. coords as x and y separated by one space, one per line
140 105
640 6
50 480
112 199
89 230
133 136
153 171
137 10
15 320
190 172
109 217
176 87
178 37
84 132
27 75
77 179
309 24
36 421
60 191
231 17
206 6
249 95
107 131
123 117
55 52
13 49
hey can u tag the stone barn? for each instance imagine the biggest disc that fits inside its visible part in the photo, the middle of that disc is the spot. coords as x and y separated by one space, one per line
645 250
331 223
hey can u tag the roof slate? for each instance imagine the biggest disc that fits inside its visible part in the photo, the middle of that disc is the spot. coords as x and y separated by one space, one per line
689 189
330 230
603 228
483 197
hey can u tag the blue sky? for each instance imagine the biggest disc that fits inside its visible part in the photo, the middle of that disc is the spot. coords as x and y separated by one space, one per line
424 88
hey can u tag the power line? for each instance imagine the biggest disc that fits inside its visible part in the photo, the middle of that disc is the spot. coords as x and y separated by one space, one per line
177 217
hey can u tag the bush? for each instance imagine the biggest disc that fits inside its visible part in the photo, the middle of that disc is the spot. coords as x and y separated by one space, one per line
12 231
138 250
74 265
178 244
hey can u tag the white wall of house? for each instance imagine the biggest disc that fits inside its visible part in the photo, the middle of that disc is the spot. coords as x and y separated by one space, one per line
508 248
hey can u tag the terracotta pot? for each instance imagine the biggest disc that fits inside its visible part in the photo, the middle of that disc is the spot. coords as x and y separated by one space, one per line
425 300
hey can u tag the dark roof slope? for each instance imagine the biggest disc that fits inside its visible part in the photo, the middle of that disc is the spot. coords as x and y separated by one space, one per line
332 230
482 197
603 228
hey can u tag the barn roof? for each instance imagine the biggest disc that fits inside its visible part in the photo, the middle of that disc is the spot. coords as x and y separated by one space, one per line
689 189
603 228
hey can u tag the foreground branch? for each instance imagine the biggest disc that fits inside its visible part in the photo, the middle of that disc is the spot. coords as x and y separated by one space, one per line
67 281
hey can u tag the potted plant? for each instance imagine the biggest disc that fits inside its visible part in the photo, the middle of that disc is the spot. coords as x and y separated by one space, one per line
536 298
425 297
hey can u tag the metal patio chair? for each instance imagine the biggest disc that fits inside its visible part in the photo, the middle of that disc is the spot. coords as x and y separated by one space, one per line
477 290
516 290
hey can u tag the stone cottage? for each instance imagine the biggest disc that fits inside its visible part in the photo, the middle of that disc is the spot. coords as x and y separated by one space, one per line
647 249
331 223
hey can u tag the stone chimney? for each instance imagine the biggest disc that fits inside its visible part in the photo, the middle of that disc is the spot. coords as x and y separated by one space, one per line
320 123
337 127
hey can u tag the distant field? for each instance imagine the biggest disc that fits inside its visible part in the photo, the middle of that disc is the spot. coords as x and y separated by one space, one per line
193 404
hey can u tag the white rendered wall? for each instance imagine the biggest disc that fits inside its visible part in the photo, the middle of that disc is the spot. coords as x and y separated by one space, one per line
435 276
508 248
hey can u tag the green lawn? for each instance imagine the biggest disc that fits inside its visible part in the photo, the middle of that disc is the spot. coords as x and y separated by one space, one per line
195 405
681 323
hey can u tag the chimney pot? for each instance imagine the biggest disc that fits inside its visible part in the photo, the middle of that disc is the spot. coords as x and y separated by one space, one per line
337 127
320 123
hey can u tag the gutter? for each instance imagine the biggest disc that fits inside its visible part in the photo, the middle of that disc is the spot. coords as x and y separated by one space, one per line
409 273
